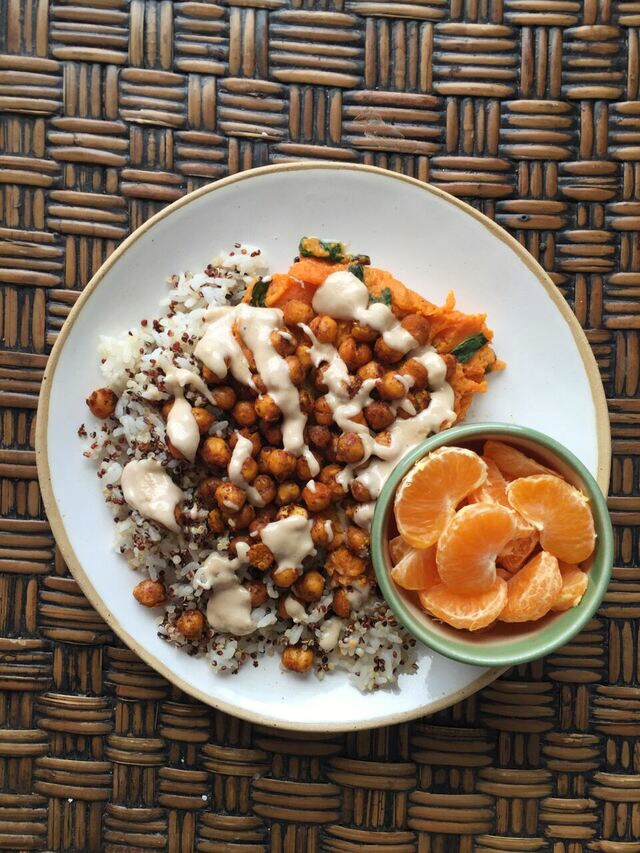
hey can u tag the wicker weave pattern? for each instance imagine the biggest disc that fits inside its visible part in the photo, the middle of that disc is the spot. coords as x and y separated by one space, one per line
110 109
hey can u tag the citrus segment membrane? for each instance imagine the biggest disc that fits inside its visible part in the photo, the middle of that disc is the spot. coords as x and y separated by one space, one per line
470 612
533 590
516 552
417 569
398 548
574 586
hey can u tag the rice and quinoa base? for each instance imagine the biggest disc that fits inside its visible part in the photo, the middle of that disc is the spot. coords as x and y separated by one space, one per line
241 439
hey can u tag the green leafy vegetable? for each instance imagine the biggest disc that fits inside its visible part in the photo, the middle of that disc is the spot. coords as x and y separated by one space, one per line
468 347
259 293
357 270
385 296
328 250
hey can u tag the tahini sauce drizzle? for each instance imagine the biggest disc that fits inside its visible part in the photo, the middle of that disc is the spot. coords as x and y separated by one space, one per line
148 488
182 427
329 633
218 346
289 540
241 452
229 606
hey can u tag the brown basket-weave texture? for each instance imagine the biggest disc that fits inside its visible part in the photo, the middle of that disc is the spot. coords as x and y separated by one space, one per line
109 110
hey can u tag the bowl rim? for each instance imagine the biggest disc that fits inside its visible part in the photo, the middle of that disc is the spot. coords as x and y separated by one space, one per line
42 422
534 645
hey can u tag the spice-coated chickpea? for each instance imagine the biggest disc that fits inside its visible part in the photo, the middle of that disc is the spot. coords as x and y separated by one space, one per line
173 450
303 471
357 540
244 413
272 433
150 593
391 387
385 353
260 556
329 453
224 397
310 586
319 532
328 476
253 437
102 403
281 464
215 452
306 401
285 577
215 521
296 311
297 658
370 370
266 408
206 490
417 371
280 340
353 354
320 436
318 379
297 372
235 541
241 519
324 328
350 448
344 562
303 354
257 590
191 624
323 412
209 376
265 487
418 327
317 498
363 334
340 603
203 418
263 459
288 493
379 415
260 386
291 509
230 498
281 607
360 492
420 399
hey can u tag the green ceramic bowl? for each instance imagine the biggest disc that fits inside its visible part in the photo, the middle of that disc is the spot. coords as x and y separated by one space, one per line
501 645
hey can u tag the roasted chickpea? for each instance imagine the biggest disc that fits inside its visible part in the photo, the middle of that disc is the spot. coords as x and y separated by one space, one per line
357 540
297 658
272 433
306 401
260 556
191 624
417 371
360 492
323 412
224 397
237 540
297 372
209 376
370 370
320 534
215 521
102 403
329 453
203 418
340 603
260 521
249 470
263 459
343 562
230 498
419 399
281 608
353 354
317 498
282 342
173 450
328 476
257 590
206 490
150 593
324 328
391 387
350 448
265 487
303 470
320 436
253 437
418 327
303 354
261 388
266 408
285 577
318 379
363 334
215 452
288 493
291 509
379 415
178 514
241 519
310 586
281 464
385 353
296 311
244 412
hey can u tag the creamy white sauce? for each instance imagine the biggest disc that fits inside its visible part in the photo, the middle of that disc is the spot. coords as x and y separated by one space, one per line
329 633
363 514
182 427
328 529
148 488
289 540
241 452
219 350
345 297
311 485
358 596
229 606
295 610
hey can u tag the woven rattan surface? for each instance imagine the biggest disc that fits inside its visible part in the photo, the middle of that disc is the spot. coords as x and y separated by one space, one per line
110 109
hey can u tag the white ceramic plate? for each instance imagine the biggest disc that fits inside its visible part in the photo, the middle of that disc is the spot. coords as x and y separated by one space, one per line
429 240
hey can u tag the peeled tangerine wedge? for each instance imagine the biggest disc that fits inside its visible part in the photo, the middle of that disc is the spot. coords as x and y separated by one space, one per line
471 612
513 463
467 550
515 553
494 488
417 569
531 593
559 511
398 548
574 586
431 491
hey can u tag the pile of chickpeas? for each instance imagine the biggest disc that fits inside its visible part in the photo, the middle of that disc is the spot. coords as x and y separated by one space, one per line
280 477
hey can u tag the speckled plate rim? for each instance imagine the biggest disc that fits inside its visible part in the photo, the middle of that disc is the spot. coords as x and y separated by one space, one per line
44 472
526 648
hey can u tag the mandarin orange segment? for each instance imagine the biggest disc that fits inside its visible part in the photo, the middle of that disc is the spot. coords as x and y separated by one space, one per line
467 550
533 590
417 569
513 463
431 491
470 612
559 511
494 488
574 586
517 552
398 548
